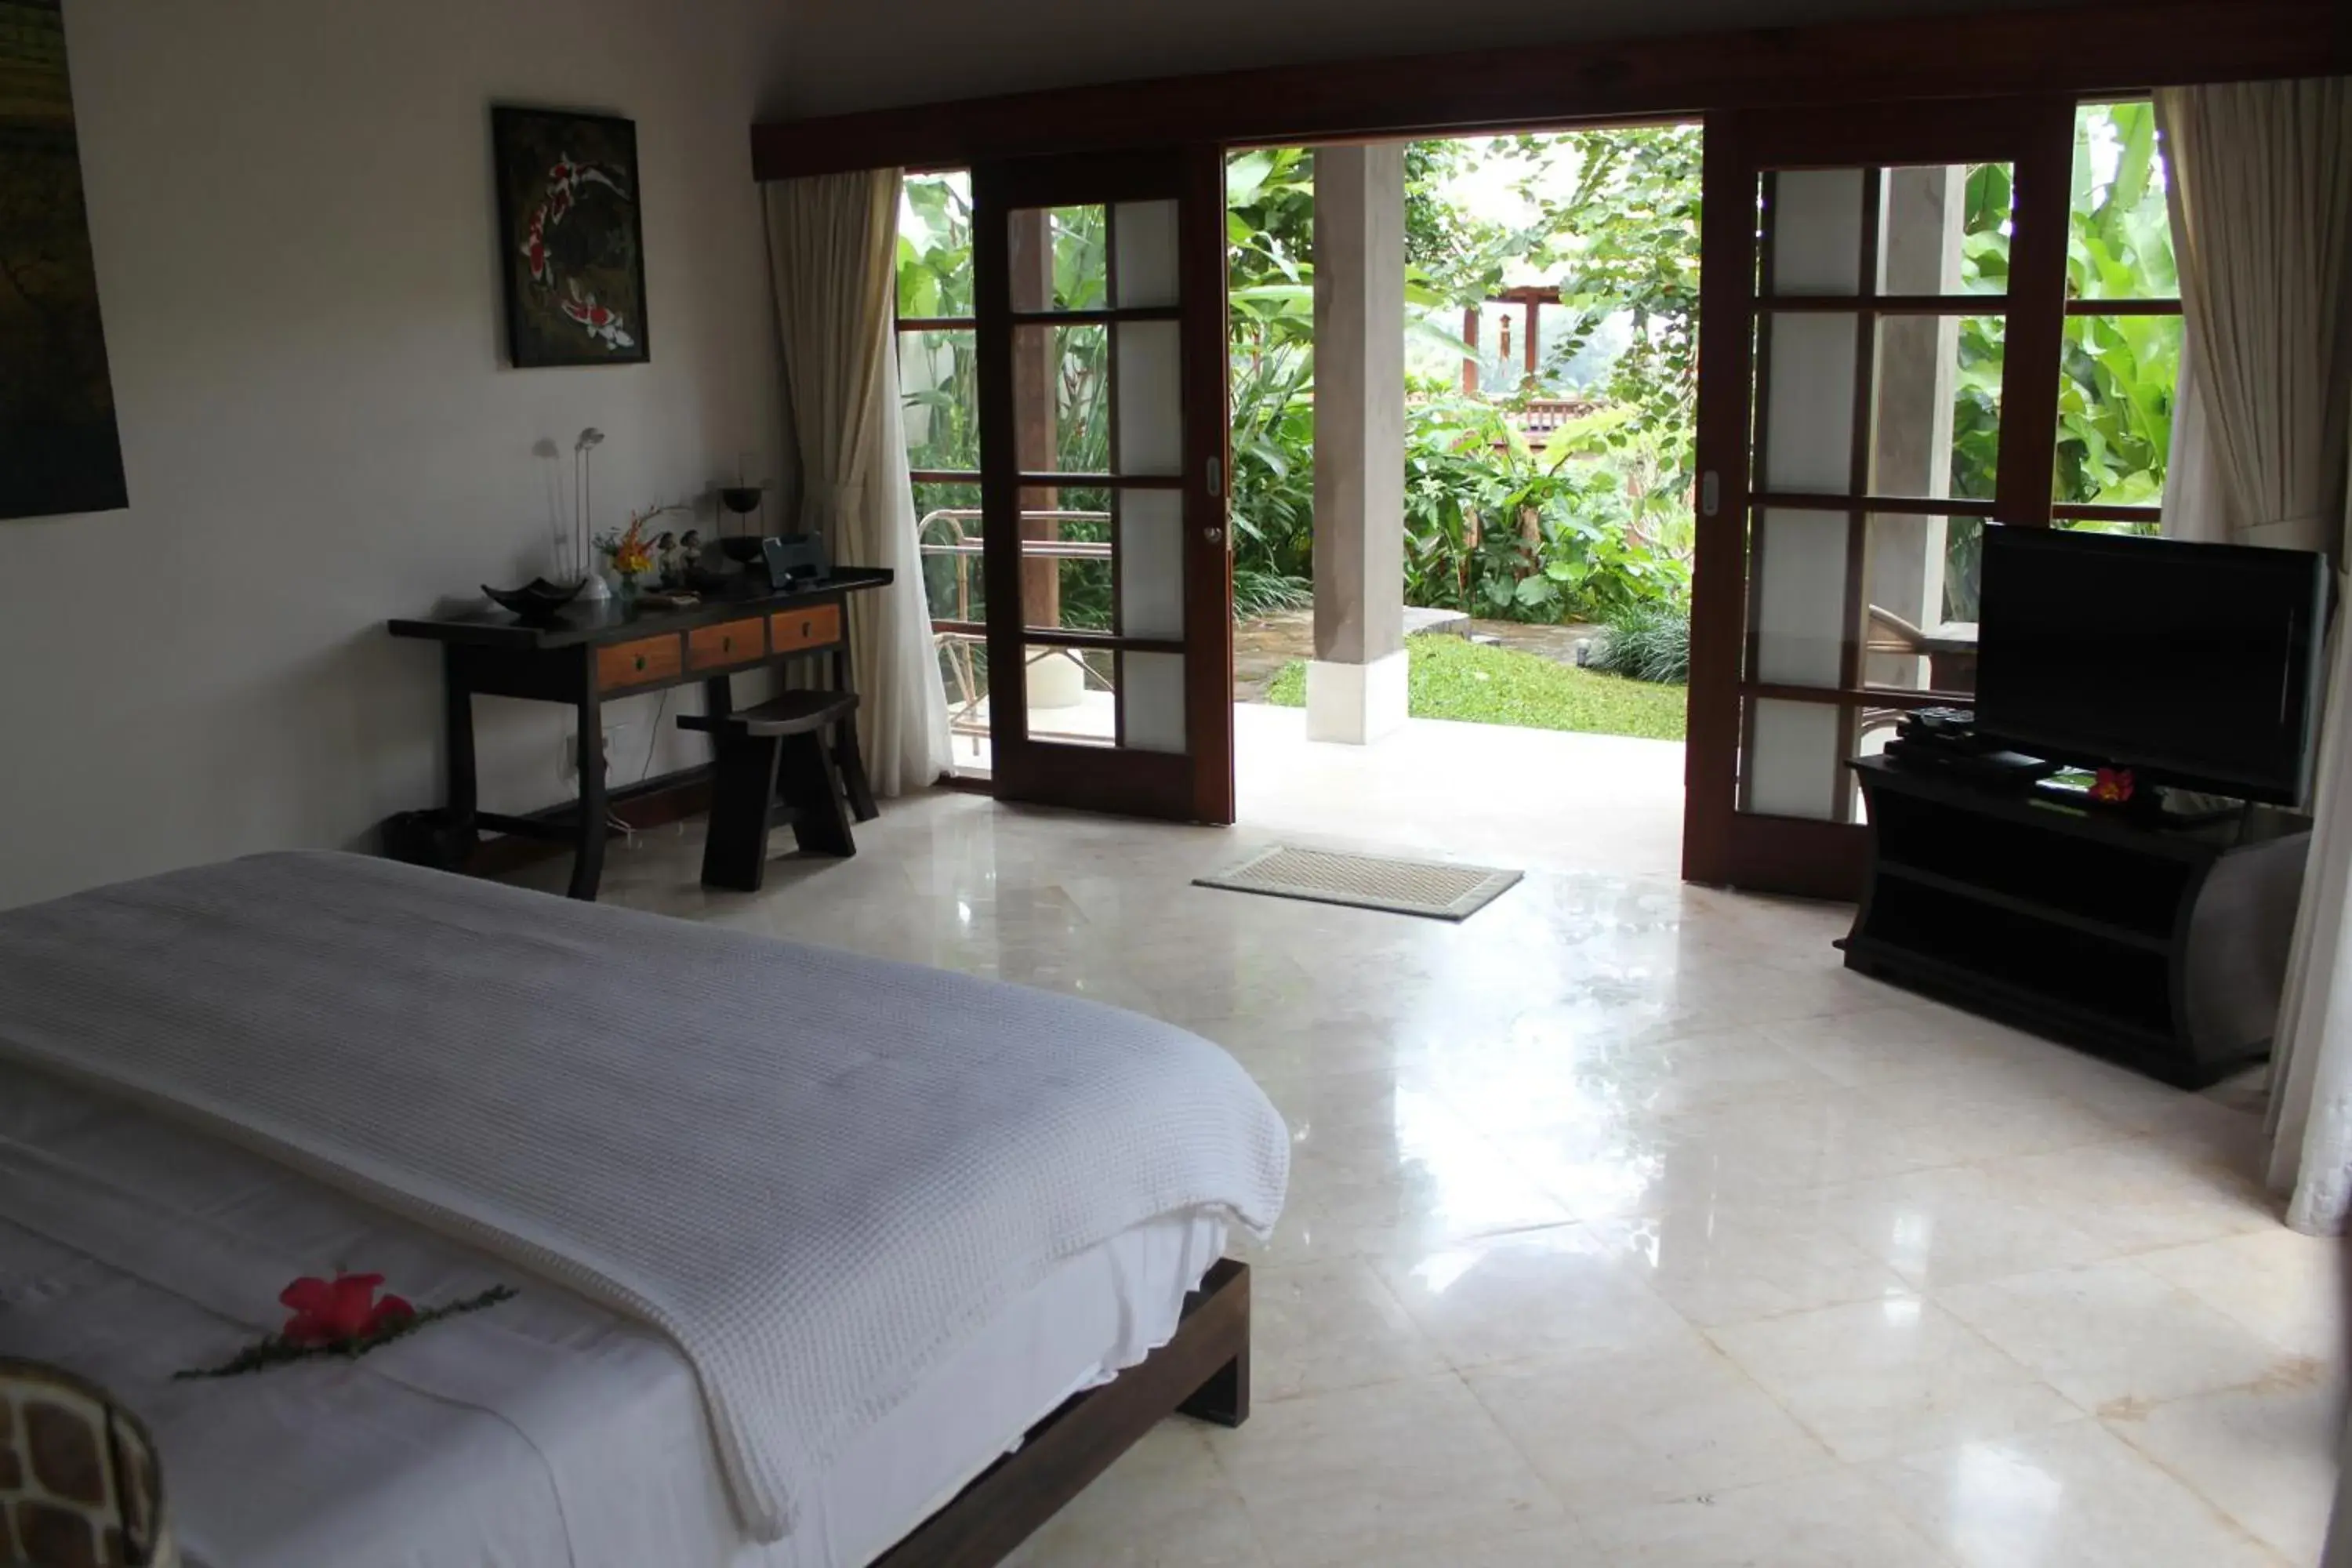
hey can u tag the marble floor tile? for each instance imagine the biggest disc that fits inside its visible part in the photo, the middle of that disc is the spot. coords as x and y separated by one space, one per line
1830 1520
1893 1039
2070 1496
2286 1286
1958 1224
1550 1292
1739 1259
2265 1456
1625 1196
1163 1504
1895 1376
1318 1327
1330 1479
1557 1546
2113 1335
1982 1112
1670 1420
2141 1193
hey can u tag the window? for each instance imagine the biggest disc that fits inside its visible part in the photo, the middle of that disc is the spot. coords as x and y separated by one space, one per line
938 387
2122 358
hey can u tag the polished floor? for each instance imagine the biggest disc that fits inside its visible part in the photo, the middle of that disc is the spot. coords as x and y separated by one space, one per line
1626 1227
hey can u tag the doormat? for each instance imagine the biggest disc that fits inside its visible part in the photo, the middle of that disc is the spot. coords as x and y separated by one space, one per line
1428 887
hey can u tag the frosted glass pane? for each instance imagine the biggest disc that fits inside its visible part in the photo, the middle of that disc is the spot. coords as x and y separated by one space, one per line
1792 760
1151 563
1070 695
1149 398
1143 237
1799 597
1152 701
1816 228
1808 407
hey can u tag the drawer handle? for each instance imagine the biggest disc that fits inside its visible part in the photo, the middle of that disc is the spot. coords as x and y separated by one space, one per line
641 661
726 645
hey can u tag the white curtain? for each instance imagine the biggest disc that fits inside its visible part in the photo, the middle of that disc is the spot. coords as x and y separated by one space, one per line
833 244
2262 197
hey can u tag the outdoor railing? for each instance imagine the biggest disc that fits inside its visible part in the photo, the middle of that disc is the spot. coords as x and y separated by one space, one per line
955 637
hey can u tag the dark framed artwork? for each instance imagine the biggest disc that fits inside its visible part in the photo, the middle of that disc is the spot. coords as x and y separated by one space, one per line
571 237
60 448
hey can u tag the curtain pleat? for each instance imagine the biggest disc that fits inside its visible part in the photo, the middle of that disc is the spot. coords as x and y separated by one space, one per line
2262 200
833 244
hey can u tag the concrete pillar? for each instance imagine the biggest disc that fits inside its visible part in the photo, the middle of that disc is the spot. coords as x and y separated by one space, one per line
1917 355
1355 682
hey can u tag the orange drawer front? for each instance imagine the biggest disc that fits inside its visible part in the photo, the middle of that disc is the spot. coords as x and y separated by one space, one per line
813 627
638 663
730 642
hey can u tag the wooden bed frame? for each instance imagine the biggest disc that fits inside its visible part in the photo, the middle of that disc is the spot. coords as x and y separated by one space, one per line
1204 1371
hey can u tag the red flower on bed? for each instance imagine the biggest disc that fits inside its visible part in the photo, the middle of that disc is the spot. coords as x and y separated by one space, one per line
330 1312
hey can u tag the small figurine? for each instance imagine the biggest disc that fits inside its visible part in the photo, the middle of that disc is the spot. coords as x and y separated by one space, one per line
666 559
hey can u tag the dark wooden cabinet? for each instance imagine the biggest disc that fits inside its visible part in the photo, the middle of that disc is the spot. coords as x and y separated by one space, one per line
2164 946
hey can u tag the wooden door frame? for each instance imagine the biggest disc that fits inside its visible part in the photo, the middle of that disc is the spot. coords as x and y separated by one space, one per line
2035 136
2082 50
1099 777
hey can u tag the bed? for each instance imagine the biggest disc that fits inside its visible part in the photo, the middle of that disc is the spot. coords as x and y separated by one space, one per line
946 1222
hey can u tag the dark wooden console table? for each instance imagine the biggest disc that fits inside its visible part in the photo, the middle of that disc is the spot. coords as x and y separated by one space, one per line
590 652
2164 946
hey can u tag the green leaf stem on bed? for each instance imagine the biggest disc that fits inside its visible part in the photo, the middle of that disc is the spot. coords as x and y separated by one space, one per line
278 1350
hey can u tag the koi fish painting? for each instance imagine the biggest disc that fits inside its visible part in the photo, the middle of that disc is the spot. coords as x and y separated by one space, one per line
571 237
60 450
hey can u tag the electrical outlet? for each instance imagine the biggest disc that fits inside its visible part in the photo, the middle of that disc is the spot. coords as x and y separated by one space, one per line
568 764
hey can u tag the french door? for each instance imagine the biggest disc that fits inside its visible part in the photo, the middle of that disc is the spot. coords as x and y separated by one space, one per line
1882 305
1100 317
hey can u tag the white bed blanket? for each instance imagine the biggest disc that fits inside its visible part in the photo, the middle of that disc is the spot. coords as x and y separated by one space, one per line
816 1173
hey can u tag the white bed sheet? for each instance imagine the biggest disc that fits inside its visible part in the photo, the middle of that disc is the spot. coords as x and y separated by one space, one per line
543 1433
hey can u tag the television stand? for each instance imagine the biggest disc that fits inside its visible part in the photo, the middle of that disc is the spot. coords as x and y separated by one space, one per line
2162 946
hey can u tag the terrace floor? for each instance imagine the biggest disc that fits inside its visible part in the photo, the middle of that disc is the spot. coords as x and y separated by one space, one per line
1488 793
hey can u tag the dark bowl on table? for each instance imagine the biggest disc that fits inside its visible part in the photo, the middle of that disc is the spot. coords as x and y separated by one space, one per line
537 600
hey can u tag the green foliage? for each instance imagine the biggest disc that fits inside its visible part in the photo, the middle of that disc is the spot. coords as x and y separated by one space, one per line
2121 373
1454 678
1602 517
1648 642
939 375
2115 401
1495 529
1261 593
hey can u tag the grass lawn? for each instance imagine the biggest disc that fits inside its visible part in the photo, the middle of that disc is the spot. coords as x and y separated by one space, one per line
1454 678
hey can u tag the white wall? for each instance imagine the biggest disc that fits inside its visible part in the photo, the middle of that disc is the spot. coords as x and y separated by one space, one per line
863 54
292 213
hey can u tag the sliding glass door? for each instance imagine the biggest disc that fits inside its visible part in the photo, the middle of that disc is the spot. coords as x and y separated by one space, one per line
1883 315
1100 340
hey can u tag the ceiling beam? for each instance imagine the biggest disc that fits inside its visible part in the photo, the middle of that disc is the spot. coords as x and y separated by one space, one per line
2105 48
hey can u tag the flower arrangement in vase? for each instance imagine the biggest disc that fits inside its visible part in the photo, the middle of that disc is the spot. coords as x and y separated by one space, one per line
629 553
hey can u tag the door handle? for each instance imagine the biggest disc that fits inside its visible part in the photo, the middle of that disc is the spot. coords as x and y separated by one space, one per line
1710 493
1216 476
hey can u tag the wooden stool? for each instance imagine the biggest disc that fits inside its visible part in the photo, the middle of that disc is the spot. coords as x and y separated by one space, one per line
776 751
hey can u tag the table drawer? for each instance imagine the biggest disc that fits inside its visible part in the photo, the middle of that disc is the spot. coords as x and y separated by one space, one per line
819 626
638 663
729 642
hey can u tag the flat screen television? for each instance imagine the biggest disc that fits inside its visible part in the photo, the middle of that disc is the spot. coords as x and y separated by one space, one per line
2194 665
